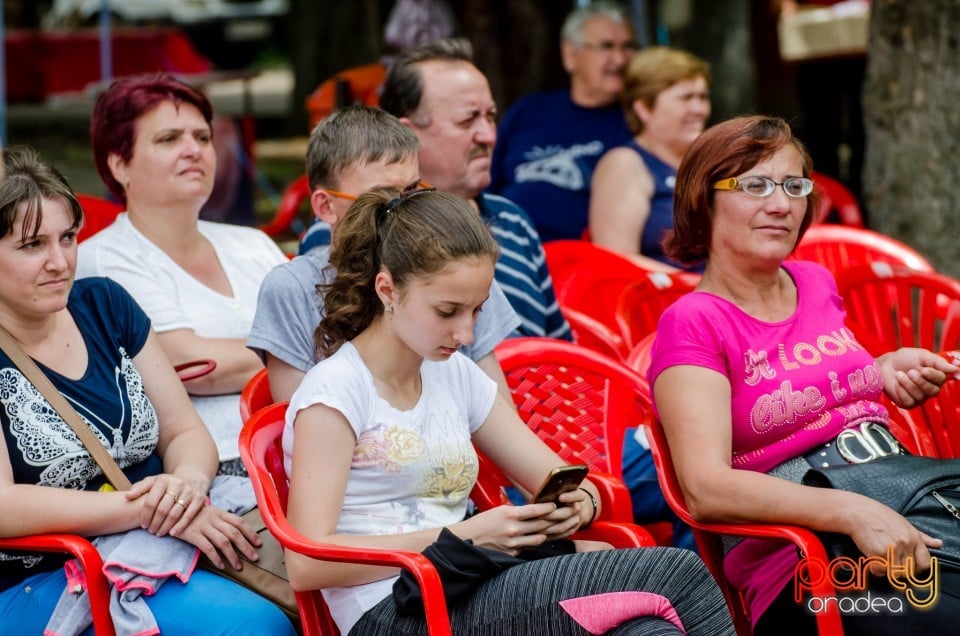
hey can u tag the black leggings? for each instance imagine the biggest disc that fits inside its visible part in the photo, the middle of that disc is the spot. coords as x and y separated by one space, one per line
524 599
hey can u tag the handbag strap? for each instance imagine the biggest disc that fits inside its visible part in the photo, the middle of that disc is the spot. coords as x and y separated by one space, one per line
40 380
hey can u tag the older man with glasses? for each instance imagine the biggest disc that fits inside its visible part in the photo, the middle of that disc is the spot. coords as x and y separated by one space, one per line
550 142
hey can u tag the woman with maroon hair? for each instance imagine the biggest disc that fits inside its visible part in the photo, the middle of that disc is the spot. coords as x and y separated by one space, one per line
757 380
196 280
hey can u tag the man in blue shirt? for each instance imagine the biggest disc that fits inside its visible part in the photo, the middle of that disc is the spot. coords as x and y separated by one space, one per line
551 141
437 91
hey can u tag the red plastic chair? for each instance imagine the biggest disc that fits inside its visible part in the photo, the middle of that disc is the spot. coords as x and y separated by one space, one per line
195 369
931 429
289 208
568 257
490 492
642 302
98 213
889 307
835 197
580 404
255 395
639 357
838 248
709 543
98 590
591 333
262 455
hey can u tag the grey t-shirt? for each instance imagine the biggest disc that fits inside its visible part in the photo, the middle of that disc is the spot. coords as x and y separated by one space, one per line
289 310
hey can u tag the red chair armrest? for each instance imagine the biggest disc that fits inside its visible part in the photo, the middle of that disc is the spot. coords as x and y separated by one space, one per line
195 369
615 504
98 589
619 535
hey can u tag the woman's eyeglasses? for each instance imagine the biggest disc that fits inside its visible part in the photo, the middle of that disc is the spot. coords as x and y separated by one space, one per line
795 187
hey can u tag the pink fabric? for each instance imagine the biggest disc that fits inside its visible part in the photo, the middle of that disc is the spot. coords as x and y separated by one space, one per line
600 613
114 572
794 384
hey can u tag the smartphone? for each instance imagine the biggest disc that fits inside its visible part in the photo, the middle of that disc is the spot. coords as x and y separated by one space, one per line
560 480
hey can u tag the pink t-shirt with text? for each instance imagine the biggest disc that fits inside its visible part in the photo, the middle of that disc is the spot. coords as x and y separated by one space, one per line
794 384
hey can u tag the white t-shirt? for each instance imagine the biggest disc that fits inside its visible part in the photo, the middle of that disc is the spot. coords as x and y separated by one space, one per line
411 470
173 299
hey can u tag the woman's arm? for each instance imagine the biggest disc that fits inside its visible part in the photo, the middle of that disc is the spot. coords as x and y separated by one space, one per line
620 194
284 378
699 434
322 453
29 509
911 375
236 364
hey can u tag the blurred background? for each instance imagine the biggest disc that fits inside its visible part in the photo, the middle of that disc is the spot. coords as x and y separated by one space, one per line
263 61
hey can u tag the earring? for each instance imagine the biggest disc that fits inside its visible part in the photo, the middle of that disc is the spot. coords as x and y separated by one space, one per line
388 308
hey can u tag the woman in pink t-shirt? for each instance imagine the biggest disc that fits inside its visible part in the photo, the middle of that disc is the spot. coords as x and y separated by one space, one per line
763 347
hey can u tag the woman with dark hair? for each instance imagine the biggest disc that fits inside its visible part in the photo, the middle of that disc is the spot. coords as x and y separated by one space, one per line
379 446
97 348
197 281
776 379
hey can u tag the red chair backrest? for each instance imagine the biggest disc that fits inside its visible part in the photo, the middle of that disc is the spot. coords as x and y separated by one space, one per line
580 404
594 335
262 454
289 207
642 302
839 248
98 588
834 196
889 307
639 357
255 395
931 429
568 257
98 213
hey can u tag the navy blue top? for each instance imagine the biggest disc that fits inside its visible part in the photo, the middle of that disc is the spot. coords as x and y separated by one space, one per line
661 204
43 449
547 148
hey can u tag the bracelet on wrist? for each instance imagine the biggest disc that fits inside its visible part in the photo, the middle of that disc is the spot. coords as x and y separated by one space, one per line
593 500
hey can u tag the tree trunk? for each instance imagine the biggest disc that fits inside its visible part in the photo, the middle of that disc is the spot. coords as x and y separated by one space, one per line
912 166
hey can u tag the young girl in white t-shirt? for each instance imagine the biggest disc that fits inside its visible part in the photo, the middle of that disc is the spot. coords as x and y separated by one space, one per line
380 439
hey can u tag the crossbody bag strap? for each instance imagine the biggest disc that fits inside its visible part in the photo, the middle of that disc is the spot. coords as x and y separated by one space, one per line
40 380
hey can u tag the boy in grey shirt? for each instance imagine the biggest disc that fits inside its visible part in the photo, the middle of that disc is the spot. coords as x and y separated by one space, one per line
352 151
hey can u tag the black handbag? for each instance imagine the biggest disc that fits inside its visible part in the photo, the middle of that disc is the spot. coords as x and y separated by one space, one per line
462 566
926 491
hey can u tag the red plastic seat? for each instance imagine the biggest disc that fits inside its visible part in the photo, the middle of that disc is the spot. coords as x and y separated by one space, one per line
580 404
255 395
709 543
591 333
933 428
889 307
639 357
98 590
568 257
262 454
641 302
839 248
288 209
835 197
98 213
